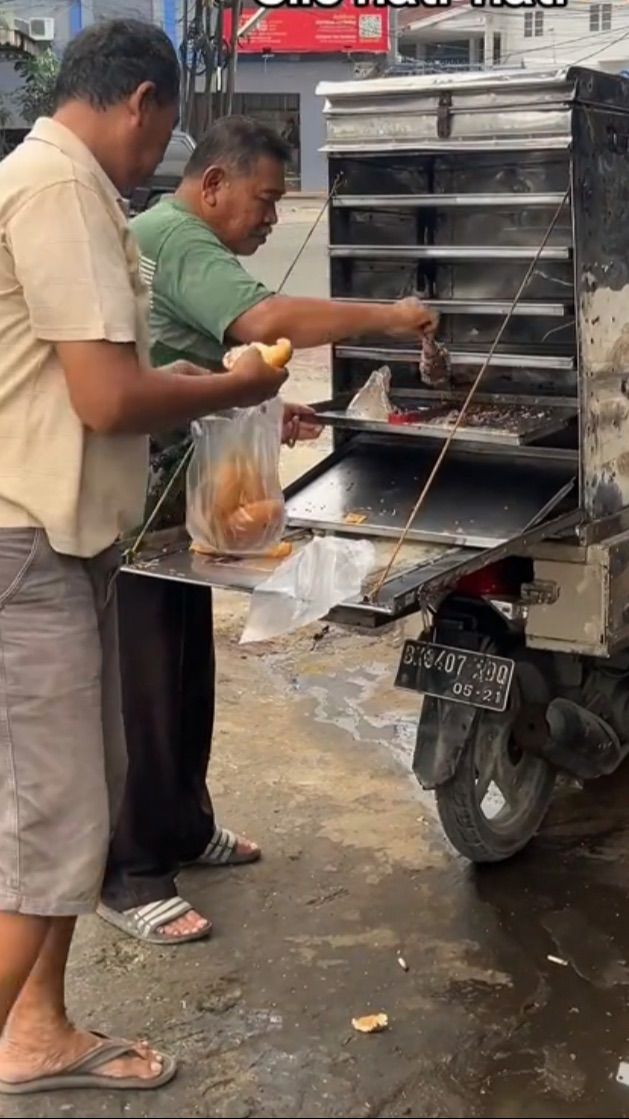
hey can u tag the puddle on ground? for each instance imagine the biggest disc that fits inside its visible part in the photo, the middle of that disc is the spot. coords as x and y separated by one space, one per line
353 704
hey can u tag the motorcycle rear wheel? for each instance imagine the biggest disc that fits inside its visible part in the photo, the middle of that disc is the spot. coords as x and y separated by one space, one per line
497 799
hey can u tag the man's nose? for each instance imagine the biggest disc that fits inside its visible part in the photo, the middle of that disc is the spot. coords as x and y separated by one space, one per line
273 219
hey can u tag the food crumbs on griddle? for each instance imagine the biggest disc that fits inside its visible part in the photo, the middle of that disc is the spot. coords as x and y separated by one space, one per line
505 418
511 419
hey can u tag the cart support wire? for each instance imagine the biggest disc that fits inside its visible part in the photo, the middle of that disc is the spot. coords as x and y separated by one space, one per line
373 594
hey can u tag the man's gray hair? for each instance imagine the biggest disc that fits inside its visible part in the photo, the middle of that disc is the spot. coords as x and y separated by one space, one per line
236 142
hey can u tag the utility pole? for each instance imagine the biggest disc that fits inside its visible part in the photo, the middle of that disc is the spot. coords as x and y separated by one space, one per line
233 56
219 61
192 51
394 36
205 53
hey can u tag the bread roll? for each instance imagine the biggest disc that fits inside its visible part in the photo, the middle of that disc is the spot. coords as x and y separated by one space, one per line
225 492
202 549
252 485
249 525
237 483
277 355
279 551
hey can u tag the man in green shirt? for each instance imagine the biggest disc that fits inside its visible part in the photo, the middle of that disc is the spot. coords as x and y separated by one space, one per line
203 302
203 299
198 286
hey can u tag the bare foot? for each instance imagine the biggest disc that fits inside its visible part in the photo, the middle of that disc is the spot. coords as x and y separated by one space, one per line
62 1047
246 850
191 922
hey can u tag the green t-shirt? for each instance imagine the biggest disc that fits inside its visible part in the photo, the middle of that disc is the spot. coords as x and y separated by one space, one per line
198 288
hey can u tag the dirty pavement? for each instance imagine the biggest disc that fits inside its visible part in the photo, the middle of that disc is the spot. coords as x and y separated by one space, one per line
506 989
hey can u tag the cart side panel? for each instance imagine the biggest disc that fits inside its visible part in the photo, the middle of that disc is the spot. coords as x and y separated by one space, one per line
575 616
589 610
618 590
601 205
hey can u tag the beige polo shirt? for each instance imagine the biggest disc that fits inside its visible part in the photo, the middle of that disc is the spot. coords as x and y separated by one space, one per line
69 271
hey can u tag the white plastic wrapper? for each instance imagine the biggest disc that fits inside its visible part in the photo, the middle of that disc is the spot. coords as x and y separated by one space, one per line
327 571
235 504
372 400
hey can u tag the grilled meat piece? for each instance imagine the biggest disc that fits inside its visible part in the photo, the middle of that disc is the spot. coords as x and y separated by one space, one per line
434 362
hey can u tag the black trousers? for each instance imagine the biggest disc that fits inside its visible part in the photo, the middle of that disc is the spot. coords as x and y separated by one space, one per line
168 678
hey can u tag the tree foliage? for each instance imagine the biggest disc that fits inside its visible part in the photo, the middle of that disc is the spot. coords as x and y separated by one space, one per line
39 74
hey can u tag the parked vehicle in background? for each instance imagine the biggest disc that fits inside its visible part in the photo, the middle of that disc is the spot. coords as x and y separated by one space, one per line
168 175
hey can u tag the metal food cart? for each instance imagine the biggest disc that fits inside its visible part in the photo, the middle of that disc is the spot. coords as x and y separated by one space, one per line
517 563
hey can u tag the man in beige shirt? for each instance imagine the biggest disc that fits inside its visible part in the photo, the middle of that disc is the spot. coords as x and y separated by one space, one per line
76 395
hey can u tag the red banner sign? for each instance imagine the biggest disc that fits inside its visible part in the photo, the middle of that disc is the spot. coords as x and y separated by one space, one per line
316 31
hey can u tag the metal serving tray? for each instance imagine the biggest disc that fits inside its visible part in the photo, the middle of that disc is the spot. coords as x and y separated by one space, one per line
369 486
167 555
494 421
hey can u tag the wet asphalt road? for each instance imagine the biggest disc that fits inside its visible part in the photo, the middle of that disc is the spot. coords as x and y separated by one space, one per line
515 998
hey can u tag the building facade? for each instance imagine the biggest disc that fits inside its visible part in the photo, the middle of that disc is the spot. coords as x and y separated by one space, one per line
282 92
280 62
590 32
54 24
283 60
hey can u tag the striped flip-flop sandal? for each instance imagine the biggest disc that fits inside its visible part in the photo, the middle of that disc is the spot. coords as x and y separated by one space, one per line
223 850
145 921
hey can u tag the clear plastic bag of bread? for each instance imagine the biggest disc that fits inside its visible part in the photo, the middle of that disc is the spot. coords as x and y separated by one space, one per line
235 504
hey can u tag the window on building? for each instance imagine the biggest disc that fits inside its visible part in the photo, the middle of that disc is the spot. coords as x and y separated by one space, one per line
408 50
600 17
453 54
533 24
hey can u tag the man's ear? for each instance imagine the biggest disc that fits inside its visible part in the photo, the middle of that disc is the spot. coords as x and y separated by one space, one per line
142 100
213 179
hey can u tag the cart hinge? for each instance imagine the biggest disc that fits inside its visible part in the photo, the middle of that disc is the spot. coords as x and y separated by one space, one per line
444 116
539 593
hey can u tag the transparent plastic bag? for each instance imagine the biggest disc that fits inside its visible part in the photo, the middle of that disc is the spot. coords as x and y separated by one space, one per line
235 504
327 571
371 402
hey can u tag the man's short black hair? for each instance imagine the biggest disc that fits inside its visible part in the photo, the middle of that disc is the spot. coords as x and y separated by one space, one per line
107 62
237 142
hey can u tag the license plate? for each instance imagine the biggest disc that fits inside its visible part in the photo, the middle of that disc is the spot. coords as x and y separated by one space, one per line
456 674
